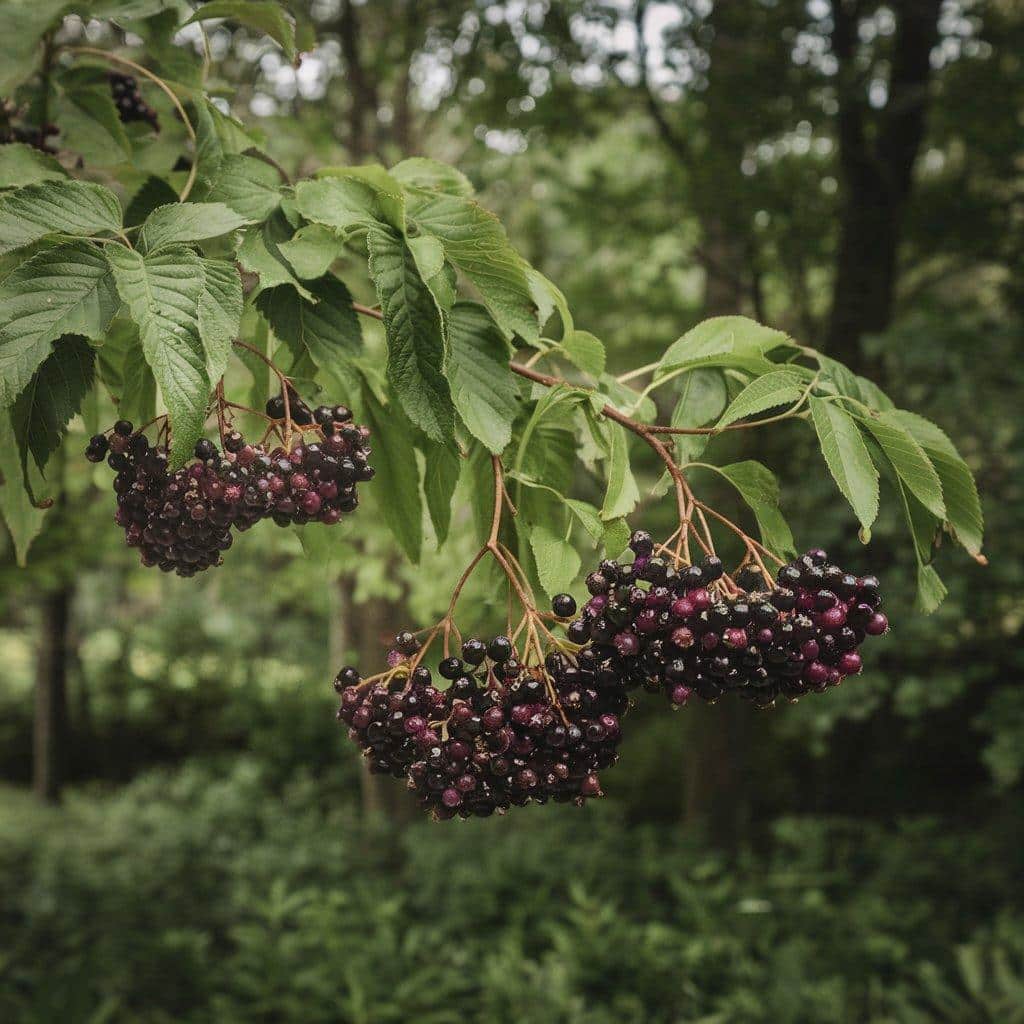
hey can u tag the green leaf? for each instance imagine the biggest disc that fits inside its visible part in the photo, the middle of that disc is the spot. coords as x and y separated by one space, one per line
388 194
187 222
847 458
162 293
260 254
931 591
959 491
724 340
622 494
485 392
616 537
217 135
56 207
250 187
89 121
415 335
396 485
909 460
21 27
702 398
760 490
343 203
846 382
475 242
439 482
780 387
25 165
421 172
23 519
327 330
138 395
584 351
557 560
43 410
64 290
548 298
220 314
312 250
266 16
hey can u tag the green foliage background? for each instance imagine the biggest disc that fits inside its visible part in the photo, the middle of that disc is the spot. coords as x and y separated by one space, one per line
857 858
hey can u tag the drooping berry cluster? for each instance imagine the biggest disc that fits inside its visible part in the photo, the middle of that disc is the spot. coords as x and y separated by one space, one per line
129 102
182 521
654 625
501 734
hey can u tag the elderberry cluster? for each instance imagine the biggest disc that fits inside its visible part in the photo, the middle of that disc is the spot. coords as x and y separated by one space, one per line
183 521
129 102
501 733
651 624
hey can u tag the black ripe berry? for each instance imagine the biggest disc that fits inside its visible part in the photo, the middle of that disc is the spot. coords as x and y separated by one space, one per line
563 605
499 649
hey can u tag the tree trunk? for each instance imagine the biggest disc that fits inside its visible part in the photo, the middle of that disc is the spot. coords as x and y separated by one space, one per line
49 738
877 172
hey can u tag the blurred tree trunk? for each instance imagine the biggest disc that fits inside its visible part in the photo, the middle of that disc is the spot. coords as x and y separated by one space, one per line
49 739
877 169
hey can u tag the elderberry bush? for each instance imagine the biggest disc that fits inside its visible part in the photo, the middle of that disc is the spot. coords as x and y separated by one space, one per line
129 102
676 629
493 733
183 521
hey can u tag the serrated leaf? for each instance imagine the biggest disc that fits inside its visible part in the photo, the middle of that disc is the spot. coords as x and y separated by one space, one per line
557 561
250 187
589 517
440 479
585 352
265 15
780 387
626 400
259 253
908 458
723 340
846 382
959 491
56 207
931 591
220 314
622 494
422 172
414 330
187 222
326 330
343 203
389 196
485 392
43 410
760 490
396 485
702 397
64 290
23 519
847 458
217 135
475 242
162 293
548 298
21 164
312 250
